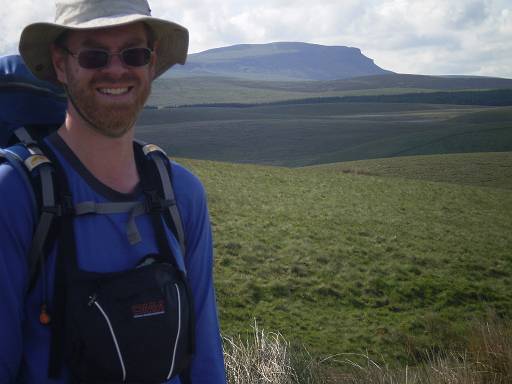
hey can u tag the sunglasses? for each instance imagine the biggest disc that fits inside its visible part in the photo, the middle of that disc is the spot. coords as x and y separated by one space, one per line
99 58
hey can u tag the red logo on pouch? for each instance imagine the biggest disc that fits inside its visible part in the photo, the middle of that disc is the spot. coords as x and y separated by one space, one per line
151 308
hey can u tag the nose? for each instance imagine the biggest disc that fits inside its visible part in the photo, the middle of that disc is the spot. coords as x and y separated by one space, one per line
115 64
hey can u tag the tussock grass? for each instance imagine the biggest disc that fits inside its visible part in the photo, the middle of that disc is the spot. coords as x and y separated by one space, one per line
270 358
490 345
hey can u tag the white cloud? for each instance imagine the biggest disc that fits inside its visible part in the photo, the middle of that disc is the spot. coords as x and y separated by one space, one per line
411 36
15 15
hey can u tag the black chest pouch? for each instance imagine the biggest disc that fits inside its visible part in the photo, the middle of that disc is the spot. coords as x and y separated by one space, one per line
128 327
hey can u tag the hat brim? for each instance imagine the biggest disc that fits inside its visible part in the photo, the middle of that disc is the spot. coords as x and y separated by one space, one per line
36 39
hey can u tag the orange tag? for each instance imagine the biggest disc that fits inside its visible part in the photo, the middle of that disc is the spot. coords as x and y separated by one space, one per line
44 317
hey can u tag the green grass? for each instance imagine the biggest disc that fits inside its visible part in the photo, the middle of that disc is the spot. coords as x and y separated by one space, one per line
492 169
350 263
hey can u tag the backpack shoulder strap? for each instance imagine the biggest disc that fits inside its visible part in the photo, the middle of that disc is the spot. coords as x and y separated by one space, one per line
163 168
37 171
156 175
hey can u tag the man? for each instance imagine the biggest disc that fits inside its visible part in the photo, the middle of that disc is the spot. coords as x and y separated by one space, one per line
105 53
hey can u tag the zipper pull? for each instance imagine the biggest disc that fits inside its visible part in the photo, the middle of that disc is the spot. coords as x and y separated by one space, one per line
92 299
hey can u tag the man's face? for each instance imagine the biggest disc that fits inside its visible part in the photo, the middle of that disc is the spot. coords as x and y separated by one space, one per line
111 97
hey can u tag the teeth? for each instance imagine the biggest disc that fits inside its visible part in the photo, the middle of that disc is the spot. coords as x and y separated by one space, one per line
113 91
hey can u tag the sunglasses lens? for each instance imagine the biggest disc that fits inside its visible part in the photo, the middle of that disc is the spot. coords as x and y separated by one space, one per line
136 57
95 58
92 59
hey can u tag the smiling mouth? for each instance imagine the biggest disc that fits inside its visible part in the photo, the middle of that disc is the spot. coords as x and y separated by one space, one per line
114 91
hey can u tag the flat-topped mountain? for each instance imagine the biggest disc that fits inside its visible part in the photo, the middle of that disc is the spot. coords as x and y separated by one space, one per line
279 61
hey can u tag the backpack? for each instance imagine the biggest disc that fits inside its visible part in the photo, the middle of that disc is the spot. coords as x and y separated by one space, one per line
156 290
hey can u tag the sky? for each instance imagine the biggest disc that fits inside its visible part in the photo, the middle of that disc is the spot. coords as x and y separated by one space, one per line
435 37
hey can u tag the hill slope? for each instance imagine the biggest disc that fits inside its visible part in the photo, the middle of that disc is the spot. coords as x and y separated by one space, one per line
279 61
348 263
207 90
488 169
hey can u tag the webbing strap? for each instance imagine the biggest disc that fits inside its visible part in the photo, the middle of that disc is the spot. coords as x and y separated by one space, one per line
169 195
135 208
66 250
23 136
132 230
106 208
36 248
48 193
45 222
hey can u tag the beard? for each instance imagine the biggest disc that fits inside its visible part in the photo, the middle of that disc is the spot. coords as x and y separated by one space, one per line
112 119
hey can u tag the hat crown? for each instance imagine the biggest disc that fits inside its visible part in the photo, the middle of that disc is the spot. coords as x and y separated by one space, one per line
83 15
76 12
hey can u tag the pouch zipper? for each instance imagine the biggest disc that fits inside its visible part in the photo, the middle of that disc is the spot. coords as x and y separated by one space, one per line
178 333
114 338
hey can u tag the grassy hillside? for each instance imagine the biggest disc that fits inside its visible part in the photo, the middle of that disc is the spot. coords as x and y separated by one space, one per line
204 90
348 263
490 169
302 134
207 90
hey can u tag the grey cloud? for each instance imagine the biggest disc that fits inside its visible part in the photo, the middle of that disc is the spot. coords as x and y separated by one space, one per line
435 41
471 14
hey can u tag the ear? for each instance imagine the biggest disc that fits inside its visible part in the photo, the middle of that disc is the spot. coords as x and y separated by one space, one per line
154 59
59 63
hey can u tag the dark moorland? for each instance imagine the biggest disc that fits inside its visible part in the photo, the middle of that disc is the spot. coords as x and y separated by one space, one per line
308 134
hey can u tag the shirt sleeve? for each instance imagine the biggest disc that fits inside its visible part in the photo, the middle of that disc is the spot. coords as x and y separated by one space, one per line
16 223
208 362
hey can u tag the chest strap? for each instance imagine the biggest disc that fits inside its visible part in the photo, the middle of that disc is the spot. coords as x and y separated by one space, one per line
42 173
134 208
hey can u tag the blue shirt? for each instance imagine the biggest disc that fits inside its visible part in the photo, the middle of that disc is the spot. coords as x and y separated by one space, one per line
102 246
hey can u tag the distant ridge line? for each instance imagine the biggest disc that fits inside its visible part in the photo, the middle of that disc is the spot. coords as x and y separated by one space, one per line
280 61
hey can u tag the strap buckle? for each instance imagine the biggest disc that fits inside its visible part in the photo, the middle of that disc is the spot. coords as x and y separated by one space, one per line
36 160
63 209
150 148
155 204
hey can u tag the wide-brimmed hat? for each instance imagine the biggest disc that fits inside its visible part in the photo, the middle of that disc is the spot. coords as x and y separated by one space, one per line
36 38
